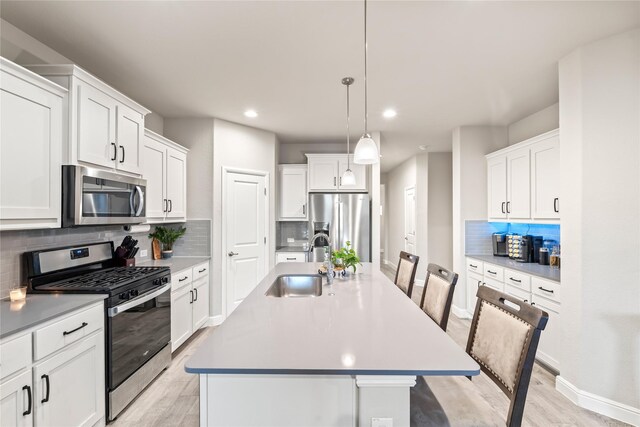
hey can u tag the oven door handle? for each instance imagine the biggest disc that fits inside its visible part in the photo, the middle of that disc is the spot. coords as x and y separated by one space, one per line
114 311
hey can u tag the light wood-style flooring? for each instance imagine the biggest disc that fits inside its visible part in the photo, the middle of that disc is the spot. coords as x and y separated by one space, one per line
172 399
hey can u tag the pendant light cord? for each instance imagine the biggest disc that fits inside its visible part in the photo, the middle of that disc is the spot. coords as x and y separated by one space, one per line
348 135
366 129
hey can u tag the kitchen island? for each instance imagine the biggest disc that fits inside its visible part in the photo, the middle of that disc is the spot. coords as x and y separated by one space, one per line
339 359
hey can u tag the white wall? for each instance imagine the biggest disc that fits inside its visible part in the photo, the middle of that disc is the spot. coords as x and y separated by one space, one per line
21 48
155 123
600 199
294 152
470 145
422 214
440 211
535 124
243 147
197 135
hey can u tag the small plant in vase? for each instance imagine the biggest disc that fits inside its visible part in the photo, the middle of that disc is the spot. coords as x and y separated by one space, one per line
167 237
344 258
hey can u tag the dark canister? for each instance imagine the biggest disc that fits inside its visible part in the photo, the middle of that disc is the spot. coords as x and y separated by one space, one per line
544 256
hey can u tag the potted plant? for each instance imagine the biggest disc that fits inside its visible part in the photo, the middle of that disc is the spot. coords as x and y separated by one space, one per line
344 258
167 236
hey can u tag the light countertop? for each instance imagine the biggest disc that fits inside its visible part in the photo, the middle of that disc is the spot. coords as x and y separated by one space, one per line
291 249
175 263
40 308
535 269
368 327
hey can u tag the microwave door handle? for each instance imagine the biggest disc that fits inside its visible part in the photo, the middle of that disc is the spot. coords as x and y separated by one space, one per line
141 206
114 311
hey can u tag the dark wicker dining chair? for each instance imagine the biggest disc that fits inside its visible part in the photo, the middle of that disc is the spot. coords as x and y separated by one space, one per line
437 294
406 272
503 339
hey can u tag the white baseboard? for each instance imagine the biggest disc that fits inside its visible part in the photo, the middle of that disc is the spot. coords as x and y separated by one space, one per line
215 320
599 404
460 313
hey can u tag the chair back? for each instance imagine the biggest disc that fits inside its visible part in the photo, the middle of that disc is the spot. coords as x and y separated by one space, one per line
437 294
503 340
406 272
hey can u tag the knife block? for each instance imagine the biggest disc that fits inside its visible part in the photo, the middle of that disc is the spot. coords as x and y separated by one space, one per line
126 262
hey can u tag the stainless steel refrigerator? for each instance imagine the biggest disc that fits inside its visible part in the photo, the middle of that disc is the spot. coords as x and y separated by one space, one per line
344 217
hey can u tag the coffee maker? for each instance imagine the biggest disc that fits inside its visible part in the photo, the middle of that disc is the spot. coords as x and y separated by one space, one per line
499 241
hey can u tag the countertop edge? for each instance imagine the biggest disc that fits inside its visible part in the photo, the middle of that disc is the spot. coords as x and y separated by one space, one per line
221 371
502 262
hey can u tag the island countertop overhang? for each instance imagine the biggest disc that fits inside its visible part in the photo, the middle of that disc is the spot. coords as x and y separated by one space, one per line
367 327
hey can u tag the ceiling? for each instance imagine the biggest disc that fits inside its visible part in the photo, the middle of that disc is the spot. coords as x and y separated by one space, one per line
439 64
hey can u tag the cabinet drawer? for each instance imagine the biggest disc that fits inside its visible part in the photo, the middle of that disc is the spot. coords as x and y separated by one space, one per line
180 279
201 270
493 272
475 265
495 284
15 355
517 293
517 279
66 331
291 257
546 288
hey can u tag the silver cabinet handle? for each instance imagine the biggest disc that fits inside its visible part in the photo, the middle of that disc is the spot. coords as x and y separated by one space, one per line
304 209
334 181
232 253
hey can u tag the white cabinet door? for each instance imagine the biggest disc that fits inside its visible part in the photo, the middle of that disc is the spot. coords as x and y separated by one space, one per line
96 127
130 129
497 187
545 179
200 302
551 337
16 401
69 387
154 166
323 174
181 316
176 184
292 192
359 171
474 281
518 184
291 257
30 154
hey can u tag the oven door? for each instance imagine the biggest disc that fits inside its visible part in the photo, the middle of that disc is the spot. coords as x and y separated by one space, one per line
92 196
137 330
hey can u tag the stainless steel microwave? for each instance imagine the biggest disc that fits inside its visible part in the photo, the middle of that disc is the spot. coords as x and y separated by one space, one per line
95 197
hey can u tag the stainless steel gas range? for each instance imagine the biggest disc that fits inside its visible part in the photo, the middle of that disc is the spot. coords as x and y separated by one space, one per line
137 311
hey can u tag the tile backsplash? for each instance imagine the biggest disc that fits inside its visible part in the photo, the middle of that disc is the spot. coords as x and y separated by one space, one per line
195 242
478 234
296 230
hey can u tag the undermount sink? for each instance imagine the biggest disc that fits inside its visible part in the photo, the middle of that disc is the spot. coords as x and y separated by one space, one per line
296 286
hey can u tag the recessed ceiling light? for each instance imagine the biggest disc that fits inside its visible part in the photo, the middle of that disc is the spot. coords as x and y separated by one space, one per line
389 113
423 147
251 113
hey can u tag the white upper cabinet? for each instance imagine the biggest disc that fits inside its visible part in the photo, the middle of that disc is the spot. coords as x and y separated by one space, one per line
545 178
31 135
326 170
292 192
518 184
104 127
497 187
164 166
523 180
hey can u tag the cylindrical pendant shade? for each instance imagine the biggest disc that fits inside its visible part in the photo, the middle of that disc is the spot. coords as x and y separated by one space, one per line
366 152
348 178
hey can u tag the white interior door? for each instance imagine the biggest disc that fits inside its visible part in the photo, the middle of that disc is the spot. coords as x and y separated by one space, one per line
244 223
410 220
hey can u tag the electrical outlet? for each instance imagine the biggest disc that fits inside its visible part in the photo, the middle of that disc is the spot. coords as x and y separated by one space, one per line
290 240
143 253
381 422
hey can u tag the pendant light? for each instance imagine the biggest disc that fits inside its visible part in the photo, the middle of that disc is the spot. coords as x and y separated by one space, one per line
348 178
366 151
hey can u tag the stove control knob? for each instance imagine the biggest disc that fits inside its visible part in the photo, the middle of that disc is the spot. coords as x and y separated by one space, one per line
157 282
123 295
133 293
165 279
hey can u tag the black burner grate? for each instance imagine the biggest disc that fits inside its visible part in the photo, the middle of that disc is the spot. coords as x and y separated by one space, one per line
106 279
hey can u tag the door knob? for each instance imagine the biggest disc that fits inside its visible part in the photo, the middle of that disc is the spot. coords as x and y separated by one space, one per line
232 253
406 238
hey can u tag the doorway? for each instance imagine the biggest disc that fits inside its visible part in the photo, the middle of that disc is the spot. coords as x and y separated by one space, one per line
244 232
410 220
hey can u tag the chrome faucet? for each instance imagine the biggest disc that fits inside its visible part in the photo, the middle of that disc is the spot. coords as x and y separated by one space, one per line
329 263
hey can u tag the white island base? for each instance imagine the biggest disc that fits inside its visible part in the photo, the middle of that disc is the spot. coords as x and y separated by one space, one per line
303 400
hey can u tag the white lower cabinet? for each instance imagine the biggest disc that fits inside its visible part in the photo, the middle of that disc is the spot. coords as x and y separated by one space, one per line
189 303
291 257
544 294
64 388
